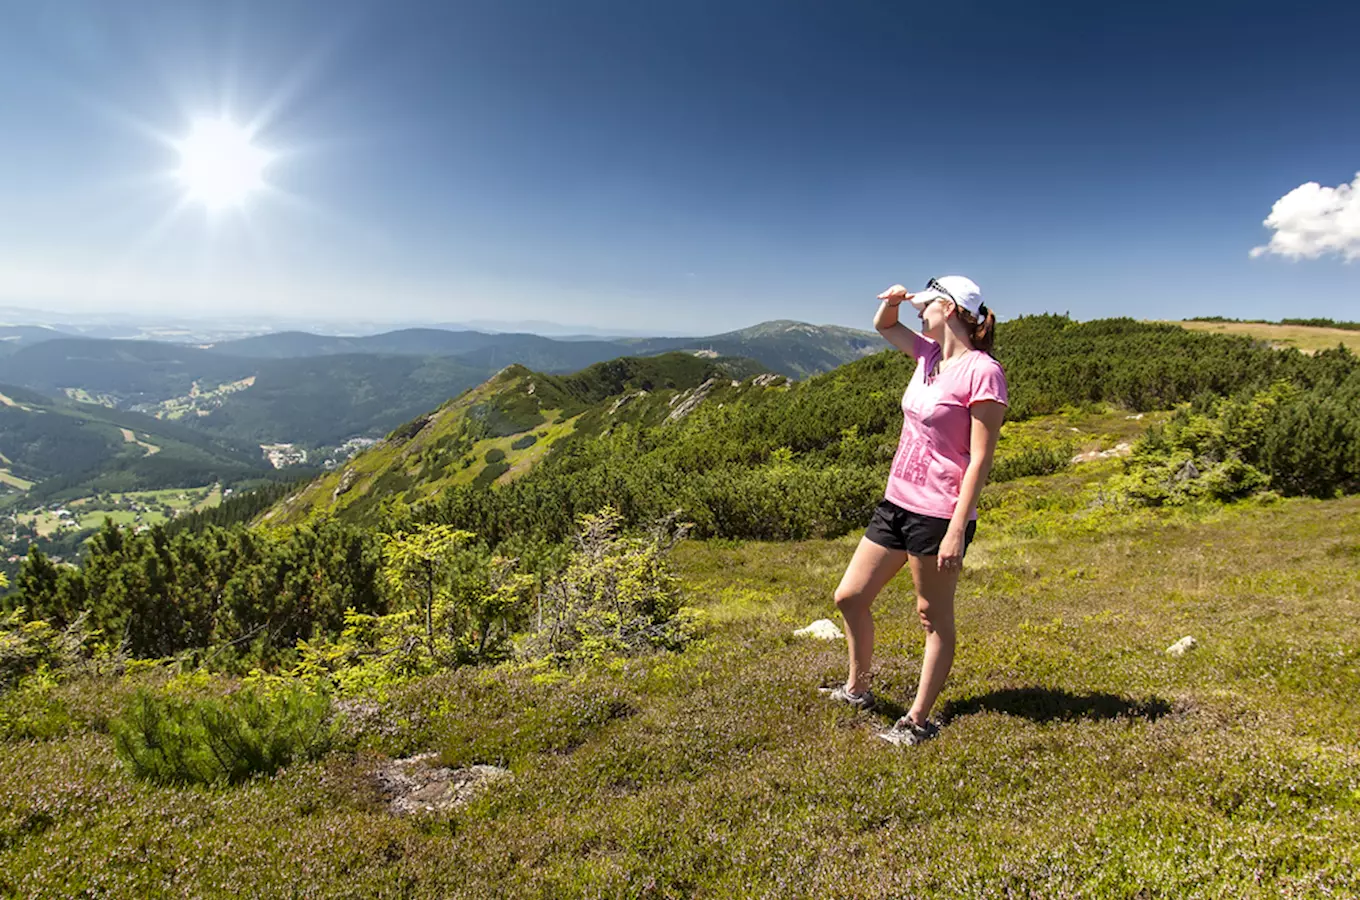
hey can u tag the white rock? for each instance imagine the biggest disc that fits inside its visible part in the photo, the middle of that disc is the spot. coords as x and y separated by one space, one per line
417 785
1183 646
824 629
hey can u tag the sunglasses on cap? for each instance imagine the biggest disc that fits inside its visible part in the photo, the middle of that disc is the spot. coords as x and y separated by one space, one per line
934 285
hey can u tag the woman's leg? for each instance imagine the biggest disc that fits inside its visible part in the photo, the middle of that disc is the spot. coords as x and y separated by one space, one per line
935 606
870 569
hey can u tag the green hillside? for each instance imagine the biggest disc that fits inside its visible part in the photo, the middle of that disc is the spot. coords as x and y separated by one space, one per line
325 400
1077 758
132 371
59 449
809 460
532 685
502 428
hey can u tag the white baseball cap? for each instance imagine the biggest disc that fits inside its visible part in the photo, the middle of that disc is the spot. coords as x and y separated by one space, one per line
963 291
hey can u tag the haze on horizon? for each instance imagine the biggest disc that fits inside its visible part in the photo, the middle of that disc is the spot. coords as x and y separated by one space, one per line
691 168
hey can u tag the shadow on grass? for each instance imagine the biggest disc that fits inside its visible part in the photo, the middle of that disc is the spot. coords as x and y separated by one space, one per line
1047 705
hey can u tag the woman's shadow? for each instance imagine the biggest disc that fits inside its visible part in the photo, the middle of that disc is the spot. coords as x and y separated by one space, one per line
1040 704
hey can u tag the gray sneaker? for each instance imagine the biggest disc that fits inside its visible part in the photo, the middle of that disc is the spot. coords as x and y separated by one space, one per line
907 733
864 700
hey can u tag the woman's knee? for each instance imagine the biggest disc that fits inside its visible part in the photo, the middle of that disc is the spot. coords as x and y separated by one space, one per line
935 615
852 598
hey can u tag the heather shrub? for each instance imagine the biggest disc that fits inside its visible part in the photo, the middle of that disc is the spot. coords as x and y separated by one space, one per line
500 720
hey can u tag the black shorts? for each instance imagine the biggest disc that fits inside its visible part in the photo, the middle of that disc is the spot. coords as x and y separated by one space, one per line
901 529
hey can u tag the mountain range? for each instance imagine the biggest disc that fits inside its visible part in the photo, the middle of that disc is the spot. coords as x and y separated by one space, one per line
319 390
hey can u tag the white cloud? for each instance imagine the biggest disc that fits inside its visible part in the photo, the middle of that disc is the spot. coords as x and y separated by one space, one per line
1312 221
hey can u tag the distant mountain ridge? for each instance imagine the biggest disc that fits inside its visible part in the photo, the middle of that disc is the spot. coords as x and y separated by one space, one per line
318 390
796 349
12 337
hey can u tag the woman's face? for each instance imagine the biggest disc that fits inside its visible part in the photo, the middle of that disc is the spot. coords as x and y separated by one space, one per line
933 317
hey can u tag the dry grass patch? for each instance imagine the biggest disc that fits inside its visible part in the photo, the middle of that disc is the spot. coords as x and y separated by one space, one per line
1307 338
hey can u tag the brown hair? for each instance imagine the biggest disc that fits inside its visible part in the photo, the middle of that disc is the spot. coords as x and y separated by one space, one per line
981 329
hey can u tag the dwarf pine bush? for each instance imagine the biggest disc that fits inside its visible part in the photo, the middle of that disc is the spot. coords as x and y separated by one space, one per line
1289 439
1033 457
173 740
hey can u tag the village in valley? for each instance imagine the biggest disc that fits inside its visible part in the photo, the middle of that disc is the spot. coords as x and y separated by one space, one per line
138 510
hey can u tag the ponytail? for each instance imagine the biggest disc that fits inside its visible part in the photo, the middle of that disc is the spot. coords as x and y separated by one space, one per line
981 329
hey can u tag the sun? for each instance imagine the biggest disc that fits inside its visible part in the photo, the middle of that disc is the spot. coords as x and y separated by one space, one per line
219 167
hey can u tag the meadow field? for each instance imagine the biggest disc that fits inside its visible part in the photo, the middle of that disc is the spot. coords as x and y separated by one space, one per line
1077 758
1306 338
124 508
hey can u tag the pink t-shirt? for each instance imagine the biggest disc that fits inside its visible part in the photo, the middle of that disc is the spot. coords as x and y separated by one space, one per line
934 449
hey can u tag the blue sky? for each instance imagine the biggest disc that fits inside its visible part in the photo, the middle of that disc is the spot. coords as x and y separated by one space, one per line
684 167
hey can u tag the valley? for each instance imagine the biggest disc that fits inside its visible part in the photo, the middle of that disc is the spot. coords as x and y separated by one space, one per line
134 509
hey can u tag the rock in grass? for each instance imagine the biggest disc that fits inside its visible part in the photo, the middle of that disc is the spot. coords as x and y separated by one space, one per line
417 785
825 629
1183 646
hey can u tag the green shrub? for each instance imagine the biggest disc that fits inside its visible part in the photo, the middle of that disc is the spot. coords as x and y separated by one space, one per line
33 647
1032 458
523 443
471 600
495 454
490 474
617 594
172 740
157 594
1291 439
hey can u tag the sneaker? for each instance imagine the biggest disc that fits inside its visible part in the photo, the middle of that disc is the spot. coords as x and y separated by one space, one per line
864 700
907 733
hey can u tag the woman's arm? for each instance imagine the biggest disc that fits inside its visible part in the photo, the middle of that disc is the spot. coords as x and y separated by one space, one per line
886 323
987 418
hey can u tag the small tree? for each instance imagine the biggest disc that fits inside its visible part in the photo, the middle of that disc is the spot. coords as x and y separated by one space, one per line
471 600
617 594
417 565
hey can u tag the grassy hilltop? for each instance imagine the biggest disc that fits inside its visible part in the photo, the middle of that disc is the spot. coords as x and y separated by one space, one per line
1306 338
654 723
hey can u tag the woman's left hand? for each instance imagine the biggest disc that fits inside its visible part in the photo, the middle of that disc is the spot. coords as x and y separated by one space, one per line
950 558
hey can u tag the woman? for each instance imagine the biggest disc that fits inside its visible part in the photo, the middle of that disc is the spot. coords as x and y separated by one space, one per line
952 414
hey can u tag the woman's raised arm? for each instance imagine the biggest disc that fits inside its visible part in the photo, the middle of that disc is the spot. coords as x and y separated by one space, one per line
887 324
